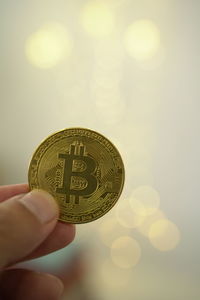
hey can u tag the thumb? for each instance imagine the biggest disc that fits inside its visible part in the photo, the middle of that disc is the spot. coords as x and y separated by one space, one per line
25 222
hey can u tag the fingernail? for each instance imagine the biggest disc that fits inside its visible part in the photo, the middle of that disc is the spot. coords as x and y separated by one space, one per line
41 204
58 286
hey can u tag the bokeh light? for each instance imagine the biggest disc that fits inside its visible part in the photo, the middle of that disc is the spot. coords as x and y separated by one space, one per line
125 252
97 19
144 200
48 46
142 39
127 69
126 217
105 88
164 235
110 229
155 62
148 221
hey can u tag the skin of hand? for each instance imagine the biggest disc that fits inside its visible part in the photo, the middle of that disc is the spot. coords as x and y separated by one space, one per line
29 229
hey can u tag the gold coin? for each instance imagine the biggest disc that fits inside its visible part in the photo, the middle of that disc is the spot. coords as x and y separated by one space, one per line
82 170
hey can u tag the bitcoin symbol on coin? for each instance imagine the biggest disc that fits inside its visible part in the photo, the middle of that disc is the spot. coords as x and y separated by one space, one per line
78 178
82 170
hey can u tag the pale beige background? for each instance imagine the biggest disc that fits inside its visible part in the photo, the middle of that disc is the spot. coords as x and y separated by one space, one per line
77 63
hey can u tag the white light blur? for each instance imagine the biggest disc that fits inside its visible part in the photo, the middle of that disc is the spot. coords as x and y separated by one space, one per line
110 229
144 200
125 252
105 86
126 216
164 235
48 46
97 19
142 39
148 221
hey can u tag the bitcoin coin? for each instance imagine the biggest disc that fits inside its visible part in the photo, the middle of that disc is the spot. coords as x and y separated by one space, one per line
82 170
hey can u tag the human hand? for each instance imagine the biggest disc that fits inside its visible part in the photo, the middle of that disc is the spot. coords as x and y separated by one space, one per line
29 229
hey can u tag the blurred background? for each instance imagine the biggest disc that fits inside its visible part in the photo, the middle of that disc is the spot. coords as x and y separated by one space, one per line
128 69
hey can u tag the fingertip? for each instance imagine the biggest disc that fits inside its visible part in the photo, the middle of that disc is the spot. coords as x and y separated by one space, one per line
25 222
58 284
71 232
28 284
66 233
62 235
41 204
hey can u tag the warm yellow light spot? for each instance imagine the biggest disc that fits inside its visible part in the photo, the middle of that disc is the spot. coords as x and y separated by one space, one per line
48 46
97 19
110 229
164 235
125 252
144 200
148 221
126 217
142 39
155 61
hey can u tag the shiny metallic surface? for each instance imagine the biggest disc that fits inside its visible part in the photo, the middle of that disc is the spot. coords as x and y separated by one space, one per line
83 171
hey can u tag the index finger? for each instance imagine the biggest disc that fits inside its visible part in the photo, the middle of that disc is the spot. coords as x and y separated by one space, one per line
8 191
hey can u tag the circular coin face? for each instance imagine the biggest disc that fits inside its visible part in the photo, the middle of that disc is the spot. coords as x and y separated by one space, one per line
82 170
